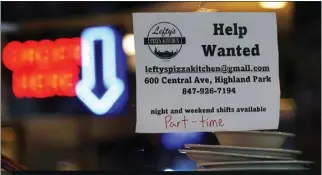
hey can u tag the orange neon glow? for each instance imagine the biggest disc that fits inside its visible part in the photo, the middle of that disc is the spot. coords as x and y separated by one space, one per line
40 83
45 68
17 55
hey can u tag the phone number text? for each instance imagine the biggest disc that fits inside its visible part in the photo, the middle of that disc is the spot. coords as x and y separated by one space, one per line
206 91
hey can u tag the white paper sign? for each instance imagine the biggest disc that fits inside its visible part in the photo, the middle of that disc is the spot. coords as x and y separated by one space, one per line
206 72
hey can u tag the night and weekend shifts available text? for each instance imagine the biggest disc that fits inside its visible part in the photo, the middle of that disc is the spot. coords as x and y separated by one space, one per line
206 72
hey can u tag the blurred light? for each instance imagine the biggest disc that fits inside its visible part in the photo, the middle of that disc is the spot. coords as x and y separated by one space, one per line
177 140
43 69
273 5
168 169
51 68
115 86
128 45
8 27
17 55
184 163
287 108
42 83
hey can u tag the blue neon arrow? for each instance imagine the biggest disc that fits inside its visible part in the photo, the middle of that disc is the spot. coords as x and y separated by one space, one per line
111 82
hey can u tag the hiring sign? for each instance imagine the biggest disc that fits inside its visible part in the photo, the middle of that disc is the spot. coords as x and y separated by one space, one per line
206 72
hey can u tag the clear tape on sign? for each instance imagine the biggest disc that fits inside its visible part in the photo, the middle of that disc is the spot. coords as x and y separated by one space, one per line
203 9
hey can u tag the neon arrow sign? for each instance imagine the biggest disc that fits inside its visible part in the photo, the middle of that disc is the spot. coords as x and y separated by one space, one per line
115 86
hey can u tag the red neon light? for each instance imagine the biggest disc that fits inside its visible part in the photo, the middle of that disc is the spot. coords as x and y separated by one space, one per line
45 83
45 68
17 55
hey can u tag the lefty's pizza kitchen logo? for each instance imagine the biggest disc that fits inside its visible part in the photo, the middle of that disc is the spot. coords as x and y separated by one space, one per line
165 40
